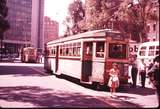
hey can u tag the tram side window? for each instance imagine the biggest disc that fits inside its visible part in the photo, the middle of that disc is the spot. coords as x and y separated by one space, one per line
157 50
53 51
100 49
61 50
142 51
31 52
88 48
67 51
151 50
49 51
72 49
117 51
76 49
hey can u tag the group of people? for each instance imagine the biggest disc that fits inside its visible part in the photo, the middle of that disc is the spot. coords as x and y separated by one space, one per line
154 75
143 70
152 72
138 67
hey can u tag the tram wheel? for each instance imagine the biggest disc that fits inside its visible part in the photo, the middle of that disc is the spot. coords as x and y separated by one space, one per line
96 86
58 76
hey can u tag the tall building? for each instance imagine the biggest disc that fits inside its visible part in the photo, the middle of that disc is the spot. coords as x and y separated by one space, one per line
26 25
37 24
51 29
153 25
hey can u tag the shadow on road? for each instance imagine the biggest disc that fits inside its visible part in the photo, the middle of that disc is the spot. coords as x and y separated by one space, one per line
122 89
40 97
138 90
20 71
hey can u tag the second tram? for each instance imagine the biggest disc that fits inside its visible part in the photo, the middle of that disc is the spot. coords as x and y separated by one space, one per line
89 56
29 54
148 51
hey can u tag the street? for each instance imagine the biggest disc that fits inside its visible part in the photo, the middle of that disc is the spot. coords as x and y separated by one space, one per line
27 85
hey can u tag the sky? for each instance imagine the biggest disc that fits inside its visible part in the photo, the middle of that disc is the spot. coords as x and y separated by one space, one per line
57 10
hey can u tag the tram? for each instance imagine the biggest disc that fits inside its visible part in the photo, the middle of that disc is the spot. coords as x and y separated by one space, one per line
88 56
29 54
148 51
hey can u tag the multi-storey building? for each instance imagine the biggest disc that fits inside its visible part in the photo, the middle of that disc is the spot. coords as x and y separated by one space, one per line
153 25
51 29
26 25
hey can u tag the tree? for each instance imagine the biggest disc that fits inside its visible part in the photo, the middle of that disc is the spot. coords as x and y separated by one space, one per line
4 24
128 16
132 18
99 13
76 14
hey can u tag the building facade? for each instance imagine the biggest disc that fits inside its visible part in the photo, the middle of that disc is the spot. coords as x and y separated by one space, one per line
51 29
153 25
26 25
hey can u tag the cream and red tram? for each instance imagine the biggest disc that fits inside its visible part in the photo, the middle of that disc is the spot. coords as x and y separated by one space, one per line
88 56
29 54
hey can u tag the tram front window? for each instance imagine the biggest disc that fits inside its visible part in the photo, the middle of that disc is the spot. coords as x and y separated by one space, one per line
100 49
117 51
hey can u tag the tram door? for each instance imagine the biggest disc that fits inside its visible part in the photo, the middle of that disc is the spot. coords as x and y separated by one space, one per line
57 58
87 61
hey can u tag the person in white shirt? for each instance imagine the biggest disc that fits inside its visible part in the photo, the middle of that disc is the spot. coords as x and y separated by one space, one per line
142 71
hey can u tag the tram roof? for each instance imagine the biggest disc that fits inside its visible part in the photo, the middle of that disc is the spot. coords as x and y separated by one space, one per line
95 33
151 43
29 48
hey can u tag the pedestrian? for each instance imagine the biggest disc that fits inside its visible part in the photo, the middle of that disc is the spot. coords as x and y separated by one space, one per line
113 82
150 64
134 71
142 71
154 76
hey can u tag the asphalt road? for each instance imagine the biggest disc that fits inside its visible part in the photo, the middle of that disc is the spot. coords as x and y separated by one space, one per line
27 85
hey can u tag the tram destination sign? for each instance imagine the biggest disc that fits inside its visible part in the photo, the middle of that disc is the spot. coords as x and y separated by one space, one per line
116 36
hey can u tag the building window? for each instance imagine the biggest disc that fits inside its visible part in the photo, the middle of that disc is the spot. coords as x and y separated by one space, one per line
154 27
148 27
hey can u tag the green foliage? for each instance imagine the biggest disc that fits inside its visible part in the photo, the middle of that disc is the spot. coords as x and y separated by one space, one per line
124 15
76 14
3 8
76 11
100 12
133 18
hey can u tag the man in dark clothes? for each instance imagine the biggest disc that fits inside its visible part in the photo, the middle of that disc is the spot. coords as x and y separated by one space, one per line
154 75
134 71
